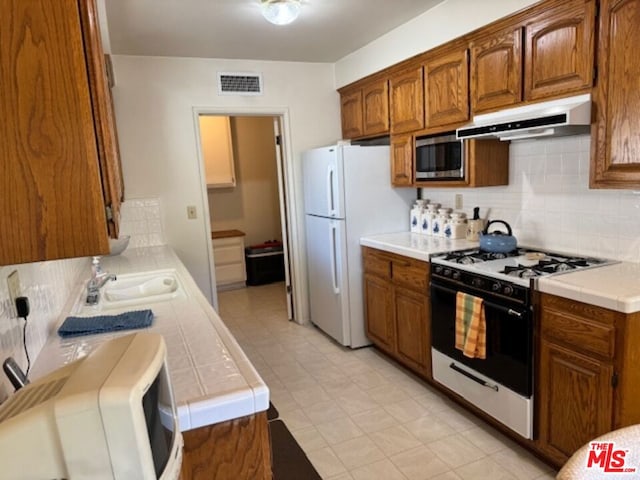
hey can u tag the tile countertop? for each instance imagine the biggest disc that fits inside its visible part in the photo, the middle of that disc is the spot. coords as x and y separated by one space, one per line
616 286
212 378
415 245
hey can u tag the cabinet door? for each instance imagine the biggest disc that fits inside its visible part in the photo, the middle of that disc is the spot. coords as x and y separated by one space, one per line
413 335
216 144
615 147
559 51
378 297
104 116
402 149
351 110
446 86
575 398
51 196
496 71
375 103
407 101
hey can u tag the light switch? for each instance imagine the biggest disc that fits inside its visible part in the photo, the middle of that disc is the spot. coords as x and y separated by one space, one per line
458 202
192 213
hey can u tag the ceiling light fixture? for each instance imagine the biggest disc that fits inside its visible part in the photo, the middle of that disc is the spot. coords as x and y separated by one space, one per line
280 12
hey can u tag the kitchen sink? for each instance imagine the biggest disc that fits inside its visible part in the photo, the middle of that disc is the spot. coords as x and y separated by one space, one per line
133 289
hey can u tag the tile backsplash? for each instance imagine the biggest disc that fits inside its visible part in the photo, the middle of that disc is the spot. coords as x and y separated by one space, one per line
548 202
141 219
50 285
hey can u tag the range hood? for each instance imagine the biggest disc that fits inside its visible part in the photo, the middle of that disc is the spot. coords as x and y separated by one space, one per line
567 116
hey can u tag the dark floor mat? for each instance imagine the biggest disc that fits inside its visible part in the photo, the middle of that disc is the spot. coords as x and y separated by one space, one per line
272 412
289 460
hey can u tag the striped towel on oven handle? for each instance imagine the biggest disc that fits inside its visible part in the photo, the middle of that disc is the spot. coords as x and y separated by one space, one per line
471 326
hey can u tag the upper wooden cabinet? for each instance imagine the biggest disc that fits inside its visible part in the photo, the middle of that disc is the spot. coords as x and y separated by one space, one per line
615 137
402 153
407 101
559 50
496 70
375 108
59 156
446 87
351 109
365 110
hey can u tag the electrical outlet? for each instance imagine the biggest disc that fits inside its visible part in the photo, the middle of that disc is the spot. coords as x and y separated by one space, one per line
13 282
458 201
192 213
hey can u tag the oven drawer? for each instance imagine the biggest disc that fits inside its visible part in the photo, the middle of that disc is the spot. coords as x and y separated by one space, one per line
584 327
513 410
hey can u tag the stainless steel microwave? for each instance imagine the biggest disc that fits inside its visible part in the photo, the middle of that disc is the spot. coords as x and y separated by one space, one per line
439 158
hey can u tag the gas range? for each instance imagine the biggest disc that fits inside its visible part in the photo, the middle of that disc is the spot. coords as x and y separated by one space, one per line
521 266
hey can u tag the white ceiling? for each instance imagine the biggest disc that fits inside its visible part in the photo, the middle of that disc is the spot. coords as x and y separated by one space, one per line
325 31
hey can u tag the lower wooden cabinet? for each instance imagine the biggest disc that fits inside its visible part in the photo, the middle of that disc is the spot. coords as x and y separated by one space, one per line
576 399
587 380
378 295
413 331
397 308
237 449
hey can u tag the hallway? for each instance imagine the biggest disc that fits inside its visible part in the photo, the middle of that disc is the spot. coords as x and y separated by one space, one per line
355 413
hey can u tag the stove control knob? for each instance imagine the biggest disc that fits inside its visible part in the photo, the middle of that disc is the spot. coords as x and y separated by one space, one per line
447 272
477 282
437 269
508 290
496 287
456 275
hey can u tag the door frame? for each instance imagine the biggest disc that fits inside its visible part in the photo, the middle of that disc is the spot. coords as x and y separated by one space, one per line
294 253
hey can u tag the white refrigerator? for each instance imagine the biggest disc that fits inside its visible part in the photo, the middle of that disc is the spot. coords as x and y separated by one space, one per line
347 194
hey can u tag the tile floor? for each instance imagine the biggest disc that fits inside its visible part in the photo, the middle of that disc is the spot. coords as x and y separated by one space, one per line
356 414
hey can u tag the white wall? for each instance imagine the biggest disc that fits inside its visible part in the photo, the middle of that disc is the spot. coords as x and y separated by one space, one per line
444 22
154 101
548 202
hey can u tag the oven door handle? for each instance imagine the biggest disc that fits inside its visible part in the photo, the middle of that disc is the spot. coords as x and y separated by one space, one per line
507 310
453 366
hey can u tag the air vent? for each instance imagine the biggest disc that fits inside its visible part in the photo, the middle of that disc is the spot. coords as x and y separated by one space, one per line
239 83
31 396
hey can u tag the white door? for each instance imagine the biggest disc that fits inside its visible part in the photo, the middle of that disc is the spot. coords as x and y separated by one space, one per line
284 223
328 287
323 190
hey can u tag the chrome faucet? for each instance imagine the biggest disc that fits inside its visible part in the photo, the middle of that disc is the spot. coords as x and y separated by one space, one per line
97 281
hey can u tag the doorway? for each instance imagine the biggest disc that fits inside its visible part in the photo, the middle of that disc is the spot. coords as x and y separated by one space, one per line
246 200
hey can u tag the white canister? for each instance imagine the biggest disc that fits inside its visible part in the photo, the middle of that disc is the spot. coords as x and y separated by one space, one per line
433 208
426 222
439 222
415 217
456 226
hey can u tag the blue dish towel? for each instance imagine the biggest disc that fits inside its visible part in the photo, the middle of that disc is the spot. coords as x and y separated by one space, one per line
77 326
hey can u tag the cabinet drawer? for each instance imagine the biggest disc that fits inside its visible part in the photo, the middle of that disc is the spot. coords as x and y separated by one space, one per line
228 254
233 273
585 335
377 263
410 273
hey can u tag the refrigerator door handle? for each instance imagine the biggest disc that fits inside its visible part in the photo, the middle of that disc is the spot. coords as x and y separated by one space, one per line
330 193
334 260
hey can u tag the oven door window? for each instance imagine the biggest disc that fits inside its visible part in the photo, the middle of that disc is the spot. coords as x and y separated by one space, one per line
439 160
509 341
